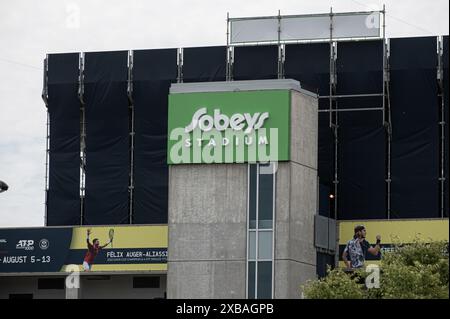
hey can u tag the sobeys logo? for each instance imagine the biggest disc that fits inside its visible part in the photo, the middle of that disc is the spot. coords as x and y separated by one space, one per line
228 127
246 122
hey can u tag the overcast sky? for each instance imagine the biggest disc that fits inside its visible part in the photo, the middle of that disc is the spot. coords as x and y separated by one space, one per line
29 29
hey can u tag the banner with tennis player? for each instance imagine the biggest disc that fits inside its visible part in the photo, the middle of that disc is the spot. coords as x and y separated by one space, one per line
105 248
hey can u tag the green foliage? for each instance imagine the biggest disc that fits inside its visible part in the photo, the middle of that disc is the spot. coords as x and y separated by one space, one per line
336 285
414 271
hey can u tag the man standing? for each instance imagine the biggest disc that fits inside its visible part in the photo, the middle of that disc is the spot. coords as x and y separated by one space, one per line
93 250
358 247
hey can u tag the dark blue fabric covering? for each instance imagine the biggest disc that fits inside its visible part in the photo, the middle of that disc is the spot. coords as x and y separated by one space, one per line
362 143
361 161
154 70
63 206
107 141
309 64
415 146
255 62
204 64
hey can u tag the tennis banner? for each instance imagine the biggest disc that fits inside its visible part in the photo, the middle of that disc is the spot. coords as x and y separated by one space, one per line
105 248
393 232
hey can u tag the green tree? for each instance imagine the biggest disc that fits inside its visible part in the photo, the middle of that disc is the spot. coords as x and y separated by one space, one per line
414 271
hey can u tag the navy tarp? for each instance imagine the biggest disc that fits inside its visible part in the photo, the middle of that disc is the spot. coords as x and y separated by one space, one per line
107 141
255 63
154 70
309 64
415 145
63 207
204 64
362 188
362 143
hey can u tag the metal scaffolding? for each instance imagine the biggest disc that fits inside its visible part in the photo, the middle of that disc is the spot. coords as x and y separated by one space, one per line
82 135
442 124
180 65
333 98
387 120
47 137
132 133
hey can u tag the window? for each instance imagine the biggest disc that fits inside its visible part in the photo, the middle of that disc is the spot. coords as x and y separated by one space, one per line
261 211
21 296
51 283
146 282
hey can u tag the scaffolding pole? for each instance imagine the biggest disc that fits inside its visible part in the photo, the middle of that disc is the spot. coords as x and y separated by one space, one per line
229 54
442 123
333 113
132 133
47 137
180 65
280 73
387 120
82 136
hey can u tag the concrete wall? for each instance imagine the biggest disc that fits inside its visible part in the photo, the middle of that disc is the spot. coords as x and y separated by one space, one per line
295 254
208 219
296 202
111 287
207 231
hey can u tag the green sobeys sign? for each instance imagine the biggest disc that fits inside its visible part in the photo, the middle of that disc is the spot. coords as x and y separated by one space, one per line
228 127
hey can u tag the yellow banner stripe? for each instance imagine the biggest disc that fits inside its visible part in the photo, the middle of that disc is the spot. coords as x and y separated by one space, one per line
397 231
122 267
124 236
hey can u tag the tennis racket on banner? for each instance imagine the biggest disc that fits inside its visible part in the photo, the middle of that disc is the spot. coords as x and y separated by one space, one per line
111 236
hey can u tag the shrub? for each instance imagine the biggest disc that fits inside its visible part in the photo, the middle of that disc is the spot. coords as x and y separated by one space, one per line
414 271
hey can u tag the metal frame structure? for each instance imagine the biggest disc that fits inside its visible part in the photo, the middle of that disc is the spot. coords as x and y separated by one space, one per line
280 17
180 61
442 124
387 120
47 137
132 132
82 135
333 97
333 109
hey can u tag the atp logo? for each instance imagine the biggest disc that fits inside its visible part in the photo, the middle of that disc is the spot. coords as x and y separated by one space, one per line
25 244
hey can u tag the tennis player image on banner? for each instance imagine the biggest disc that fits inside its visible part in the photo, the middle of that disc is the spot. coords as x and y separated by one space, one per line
90 249
94 249
118 248
391 233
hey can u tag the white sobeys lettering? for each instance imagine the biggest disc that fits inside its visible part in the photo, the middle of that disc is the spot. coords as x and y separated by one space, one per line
221 121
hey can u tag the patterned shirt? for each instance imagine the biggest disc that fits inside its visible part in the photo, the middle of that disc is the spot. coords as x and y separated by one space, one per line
357 250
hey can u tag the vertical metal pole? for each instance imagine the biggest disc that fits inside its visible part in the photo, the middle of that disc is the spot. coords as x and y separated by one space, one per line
180 66
280 49
132 132
227 75
336 166
389 134
387 116
331 67
442 123
47 138
47 156
229 57
333 124
82 136
384 63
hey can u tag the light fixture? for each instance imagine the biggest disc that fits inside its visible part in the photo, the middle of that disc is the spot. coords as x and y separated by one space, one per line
3 187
